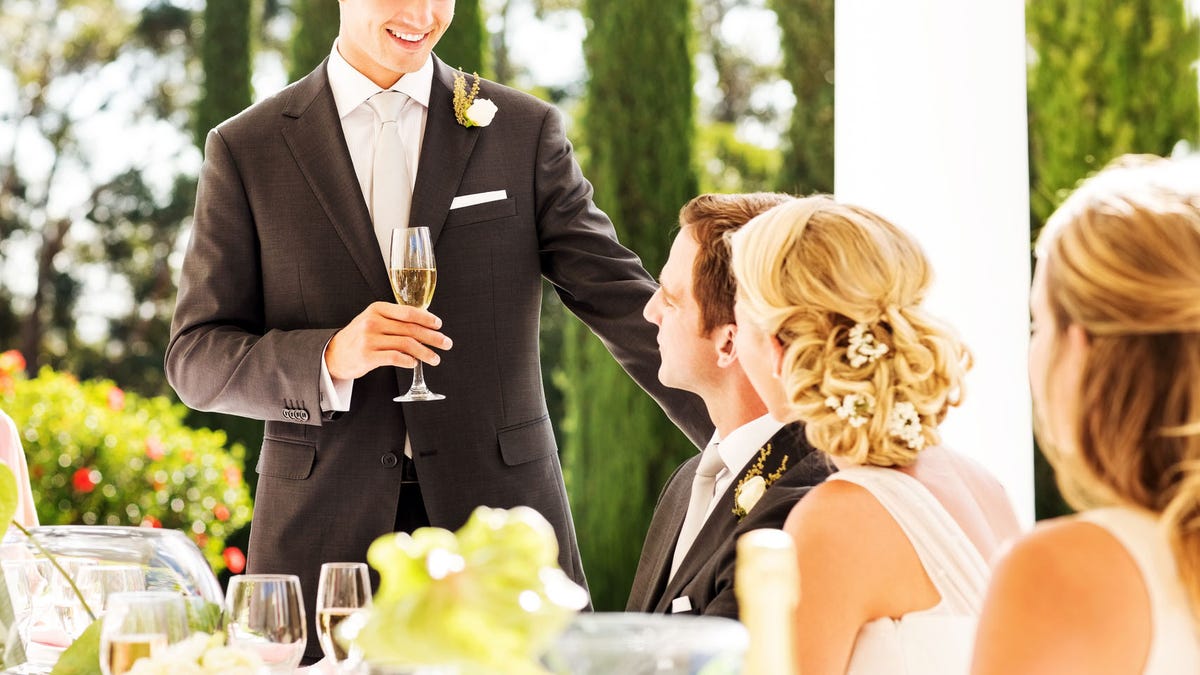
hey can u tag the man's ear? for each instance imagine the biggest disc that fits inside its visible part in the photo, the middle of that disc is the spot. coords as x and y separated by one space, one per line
726 350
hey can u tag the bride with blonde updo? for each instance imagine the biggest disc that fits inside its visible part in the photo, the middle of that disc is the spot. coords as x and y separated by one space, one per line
893 549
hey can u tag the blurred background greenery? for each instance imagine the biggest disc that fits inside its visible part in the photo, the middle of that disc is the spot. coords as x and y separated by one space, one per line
104 105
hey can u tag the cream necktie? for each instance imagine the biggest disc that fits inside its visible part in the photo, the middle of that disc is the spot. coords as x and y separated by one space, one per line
703 485
391 183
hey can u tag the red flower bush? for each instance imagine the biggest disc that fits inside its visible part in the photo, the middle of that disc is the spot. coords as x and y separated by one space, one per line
235 560
101 456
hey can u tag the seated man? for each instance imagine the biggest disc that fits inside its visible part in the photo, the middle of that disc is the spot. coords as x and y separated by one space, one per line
755 468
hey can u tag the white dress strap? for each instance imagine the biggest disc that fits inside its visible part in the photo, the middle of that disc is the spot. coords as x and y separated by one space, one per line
1175 643
953 564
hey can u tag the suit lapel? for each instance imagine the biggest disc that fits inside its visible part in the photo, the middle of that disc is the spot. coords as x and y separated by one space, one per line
719 529
313 133
444 153
655 567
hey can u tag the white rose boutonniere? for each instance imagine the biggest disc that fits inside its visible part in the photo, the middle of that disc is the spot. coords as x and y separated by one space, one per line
749 492
754 484
481 112
469 110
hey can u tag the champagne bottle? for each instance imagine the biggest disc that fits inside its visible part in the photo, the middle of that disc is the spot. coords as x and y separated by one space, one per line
767 585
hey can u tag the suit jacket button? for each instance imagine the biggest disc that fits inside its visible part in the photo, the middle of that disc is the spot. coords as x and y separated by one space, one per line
389 459
303 415
287 413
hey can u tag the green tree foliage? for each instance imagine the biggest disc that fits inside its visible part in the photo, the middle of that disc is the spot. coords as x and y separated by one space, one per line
225 55
463 45
316 27
808 64
620 447
99 455
70 208
1109 77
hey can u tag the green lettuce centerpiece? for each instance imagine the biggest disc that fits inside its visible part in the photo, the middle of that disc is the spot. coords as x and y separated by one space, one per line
487 599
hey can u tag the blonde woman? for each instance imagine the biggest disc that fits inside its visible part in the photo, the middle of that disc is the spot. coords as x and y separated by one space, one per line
893 548
1114 366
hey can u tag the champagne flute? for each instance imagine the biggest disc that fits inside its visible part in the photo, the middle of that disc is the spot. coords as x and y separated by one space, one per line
343 589
139 624
265 614
413 274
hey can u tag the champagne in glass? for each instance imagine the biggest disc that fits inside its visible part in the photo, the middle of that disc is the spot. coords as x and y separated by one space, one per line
125 650
139 624
413 274
344 588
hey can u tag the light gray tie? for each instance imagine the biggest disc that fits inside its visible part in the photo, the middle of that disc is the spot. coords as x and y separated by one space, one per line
703 486
391 183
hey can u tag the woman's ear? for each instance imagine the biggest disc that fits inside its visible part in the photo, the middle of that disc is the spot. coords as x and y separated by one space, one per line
776 355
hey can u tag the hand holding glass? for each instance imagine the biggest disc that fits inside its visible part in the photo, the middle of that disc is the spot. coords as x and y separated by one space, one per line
413 274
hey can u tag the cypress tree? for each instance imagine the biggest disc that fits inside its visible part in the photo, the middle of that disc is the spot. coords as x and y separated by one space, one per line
807 28
225 58
316 27
1109 77
619 446
463 44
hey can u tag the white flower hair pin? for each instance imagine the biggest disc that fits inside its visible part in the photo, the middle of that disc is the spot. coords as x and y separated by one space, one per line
754 484
905 424
469 110
864 348
856 409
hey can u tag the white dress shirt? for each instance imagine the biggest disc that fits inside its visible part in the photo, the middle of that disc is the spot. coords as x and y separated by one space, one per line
741 446
351 89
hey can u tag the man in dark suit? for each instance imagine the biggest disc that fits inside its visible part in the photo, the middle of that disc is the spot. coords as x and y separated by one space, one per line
755 468
285 312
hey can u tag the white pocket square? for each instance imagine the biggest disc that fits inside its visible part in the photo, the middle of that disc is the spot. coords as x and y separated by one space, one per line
478 198
681 604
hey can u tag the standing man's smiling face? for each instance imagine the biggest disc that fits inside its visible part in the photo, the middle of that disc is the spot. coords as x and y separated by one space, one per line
386 39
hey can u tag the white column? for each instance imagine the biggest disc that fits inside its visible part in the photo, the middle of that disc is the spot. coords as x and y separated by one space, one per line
931 132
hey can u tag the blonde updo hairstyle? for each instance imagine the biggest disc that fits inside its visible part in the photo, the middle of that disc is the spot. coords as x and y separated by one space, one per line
807 272
1121 259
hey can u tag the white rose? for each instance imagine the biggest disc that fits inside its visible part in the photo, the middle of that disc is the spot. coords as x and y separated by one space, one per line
231 661
161 665
750 492
481 112
190 649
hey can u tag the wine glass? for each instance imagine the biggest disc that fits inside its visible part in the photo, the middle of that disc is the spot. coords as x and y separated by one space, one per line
343 589
265 614
413 274
139 624
98 584
28 583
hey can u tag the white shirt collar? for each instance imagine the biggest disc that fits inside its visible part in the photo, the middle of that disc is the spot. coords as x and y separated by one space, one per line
744 442
351 88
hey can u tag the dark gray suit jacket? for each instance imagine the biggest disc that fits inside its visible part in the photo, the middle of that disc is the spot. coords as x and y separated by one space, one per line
283 254
705 577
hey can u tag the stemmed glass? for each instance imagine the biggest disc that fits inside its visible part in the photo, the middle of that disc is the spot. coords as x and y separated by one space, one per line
265 613
413 274
344 588
139 624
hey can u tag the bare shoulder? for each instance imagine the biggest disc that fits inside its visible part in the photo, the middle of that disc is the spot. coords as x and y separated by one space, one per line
842 531
1065 598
